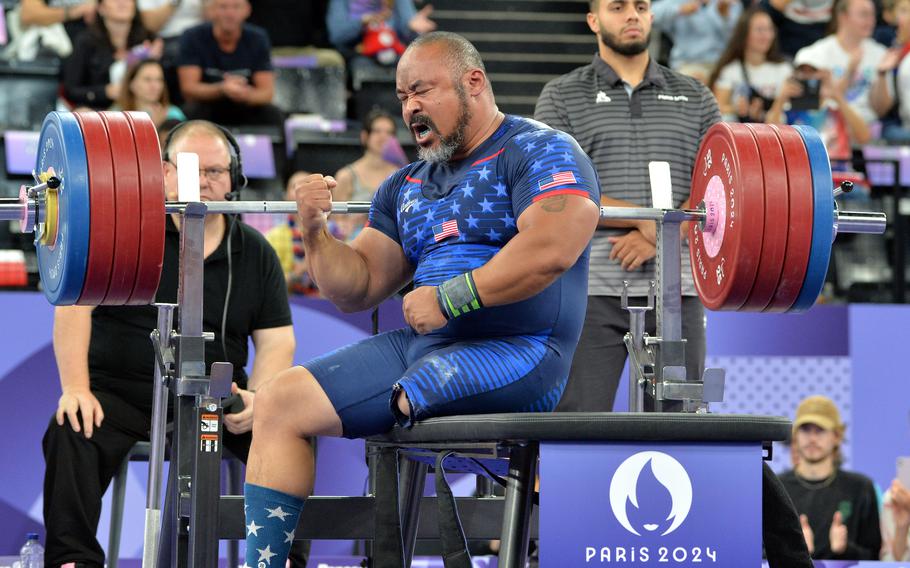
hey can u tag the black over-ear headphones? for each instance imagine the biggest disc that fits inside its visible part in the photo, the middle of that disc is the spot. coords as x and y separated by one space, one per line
238 180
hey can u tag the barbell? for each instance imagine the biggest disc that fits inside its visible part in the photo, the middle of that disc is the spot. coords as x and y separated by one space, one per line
760 239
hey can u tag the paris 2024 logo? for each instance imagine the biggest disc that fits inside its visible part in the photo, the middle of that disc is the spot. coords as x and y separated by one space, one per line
669 473
650 496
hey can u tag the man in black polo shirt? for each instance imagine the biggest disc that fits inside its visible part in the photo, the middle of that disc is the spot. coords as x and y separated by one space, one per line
626 110
106 361
225 68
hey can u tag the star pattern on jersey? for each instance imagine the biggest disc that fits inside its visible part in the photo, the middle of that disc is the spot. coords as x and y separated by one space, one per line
253 529
482 202
288 537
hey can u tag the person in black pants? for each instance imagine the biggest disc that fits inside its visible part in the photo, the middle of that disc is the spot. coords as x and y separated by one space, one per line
105 358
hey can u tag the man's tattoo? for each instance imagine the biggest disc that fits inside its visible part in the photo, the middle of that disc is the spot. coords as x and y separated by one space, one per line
554 204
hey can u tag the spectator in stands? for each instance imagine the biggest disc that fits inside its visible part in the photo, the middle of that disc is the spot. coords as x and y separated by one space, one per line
225 68
751 72
838 509
93 73
371 35
812 96
849 53
144 89
286 239
891 88
699 30
74 15
376 29
799 22
896 523
831 85
169 19
359 180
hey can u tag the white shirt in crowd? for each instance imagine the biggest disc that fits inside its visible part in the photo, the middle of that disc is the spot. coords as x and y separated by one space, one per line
187 14
767 78
827 53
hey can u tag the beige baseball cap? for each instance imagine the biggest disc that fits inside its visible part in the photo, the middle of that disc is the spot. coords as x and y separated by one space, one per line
819 410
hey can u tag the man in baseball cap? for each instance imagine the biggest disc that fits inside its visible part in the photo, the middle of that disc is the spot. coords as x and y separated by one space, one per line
838 509
822 412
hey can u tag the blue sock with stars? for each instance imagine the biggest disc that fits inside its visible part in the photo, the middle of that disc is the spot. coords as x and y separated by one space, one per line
271 519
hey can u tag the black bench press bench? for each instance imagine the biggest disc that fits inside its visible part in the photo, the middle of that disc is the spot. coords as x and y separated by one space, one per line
509 446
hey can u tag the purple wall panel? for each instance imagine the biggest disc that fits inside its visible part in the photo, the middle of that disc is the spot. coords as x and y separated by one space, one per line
880 430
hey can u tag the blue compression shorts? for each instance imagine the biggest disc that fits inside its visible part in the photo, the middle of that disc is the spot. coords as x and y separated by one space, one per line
441 376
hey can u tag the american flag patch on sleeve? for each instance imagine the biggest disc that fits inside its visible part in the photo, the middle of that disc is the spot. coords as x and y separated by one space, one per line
557 179
445 229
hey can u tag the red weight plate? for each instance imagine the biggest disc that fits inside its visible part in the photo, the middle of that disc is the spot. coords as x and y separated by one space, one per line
777 216
799 240
126 176
102 202
151 226
728 175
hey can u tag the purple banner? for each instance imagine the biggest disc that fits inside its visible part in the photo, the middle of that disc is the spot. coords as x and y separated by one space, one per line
650 504
878 423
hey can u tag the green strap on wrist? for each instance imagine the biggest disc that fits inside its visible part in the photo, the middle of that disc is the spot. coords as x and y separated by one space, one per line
458 296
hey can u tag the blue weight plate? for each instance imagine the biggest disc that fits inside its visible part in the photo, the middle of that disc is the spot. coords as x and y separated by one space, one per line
822 219
62 265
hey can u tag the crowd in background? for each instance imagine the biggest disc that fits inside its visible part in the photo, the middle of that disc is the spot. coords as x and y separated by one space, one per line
837 65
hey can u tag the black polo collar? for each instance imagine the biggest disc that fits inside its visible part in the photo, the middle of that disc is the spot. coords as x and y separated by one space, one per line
653 74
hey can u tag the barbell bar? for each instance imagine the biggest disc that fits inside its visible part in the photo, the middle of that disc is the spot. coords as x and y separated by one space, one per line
760 236
11 209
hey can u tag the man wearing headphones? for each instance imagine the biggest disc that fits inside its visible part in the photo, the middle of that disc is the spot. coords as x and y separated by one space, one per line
105 358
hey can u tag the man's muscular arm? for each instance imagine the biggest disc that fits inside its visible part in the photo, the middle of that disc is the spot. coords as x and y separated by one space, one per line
354 276
552 234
